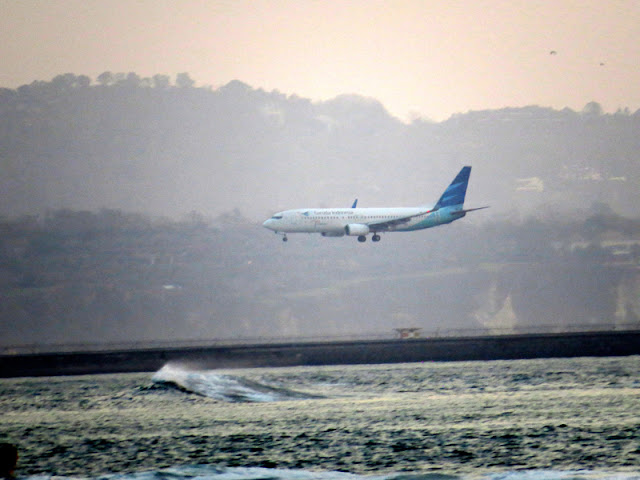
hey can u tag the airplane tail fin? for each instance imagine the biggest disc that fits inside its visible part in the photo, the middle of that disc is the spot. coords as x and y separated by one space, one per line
456 191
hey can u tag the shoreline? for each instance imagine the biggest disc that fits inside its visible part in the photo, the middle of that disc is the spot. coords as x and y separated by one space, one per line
498 347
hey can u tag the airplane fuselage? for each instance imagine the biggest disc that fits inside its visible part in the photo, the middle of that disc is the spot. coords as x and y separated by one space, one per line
359 222
335 222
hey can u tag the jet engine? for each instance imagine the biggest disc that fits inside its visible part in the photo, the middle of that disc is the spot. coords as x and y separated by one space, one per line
356 229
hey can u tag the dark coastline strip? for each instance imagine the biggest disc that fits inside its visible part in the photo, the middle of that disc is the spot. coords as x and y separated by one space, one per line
501 347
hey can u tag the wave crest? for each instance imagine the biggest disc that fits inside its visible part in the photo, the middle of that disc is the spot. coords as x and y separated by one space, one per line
223 387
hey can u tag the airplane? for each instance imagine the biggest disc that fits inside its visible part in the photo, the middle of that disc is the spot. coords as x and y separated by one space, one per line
359 222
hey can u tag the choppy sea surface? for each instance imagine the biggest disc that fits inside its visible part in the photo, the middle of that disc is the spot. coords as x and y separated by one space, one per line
550 419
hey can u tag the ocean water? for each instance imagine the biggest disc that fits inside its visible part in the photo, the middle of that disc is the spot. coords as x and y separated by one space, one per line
548 419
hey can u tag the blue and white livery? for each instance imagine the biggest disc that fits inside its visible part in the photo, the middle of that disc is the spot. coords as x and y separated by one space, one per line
359 222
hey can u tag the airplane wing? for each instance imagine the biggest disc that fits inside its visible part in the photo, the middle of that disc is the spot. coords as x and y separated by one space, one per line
387 224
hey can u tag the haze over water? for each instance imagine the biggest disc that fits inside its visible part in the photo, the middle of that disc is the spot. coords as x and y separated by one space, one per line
553 418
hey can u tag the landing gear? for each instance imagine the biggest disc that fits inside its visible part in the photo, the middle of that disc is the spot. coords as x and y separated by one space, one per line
284 238
374 238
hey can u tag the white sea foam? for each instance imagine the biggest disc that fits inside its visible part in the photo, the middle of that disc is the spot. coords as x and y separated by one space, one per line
564 475
224 387
209 472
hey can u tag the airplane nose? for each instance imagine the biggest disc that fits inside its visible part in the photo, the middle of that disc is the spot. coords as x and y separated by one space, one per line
267 223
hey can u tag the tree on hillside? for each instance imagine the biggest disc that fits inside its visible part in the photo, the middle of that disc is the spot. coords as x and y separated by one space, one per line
132 80
183 80
161 81
592 108
105 78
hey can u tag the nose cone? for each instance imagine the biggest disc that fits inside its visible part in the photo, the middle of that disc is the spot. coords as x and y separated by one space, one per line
268 224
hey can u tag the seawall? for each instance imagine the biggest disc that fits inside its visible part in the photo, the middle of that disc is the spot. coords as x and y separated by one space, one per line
502 347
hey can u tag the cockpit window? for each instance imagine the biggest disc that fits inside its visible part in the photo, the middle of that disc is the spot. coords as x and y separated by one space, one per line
277 217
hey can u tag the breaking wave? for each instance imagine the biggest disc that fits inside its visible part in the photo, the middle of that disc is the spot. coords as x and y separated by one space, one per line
223 387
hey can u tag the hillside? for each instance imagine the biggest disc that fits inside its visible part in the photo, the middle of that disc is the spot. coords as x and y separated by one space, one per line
132 211
149 146
77 277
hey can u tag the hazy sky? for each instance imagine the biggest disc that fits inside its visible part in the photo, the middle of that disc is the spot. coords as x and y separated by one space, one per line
431 57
